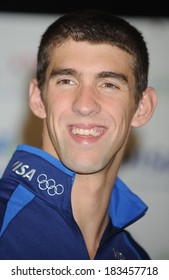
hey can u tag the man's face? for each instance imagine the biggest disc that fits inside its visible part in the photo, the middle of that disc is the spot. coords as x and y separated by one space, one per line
89 103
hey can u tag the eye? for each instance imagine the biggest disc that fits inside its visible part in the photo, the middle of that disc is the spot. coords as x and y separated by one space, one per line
110 85
66 82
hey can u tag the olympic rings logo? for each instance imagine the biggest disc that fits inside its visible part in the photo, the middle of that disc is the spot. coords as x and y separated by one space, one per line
49 185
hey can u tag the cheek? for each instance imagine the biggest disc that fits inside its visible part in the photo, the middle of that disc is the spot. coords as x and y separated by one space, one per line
59 102
57 109
55 104
117 110
121 115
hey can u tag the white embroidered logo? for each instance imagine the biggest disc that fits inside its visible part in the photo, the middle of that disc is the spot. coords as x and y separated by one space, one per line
49 185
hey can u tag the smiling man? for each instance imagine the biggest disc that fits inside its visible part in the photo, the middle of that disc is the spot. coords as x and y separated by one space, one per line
64 200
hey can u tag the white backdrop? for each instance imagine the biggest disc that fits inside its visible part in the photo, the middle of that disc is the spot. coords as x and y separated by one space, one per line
147 171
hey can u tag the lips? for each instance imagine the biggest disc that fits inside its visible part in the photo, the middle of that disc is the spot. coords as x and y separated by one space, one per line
84 131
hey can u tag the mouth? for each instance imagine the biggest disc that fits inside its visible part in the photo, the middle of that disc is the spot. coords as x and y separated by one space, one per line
89 132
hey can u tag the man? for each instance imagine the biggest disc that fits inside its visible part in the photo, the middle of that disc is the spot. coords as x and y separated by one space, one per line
64 200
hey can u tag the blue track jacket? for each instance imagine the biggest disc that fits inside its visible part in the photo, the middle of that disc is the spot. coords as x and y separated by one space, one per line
36 220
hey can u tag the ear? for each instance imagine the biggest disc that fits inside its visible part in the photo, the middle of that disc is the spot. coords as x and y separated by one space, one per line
35 100
145 108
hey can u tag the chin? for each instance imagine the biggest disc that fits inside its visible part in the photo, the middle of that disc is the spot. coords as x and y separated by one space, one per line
86 168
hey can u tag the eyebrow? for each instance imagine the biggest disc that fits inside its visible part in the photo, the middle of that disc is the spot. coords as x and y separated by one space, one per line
103 74
110 74
62 71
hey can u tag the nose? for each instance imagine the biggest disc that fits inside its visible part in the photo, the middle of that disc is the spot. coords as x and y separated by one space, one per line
86 102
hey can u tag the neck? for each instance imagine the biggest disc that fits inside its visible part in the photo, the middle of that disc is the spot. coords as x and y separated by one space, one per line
90 202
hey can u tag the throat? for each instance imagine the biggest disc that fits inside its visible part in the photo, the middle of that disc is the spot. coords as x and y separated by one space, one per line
90 211
92 235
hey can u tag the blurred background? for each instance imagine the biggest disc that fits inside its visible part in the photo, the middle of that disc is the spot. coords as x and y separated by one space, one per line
145 168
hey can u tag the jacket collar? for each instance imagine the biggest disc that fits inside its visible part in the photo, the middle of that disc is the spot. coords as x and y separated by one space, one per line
49 179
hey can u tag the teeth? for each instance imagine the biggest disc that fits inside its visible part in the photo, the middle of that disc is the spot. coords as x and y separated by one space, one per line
85 132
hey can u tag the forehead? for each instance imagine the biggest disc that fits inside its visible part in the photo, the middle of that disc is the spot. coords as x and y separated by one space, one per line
86 57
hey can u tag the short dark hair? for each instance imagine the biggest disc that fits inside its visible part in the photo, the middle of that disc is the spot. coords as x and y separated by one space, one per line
96 27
